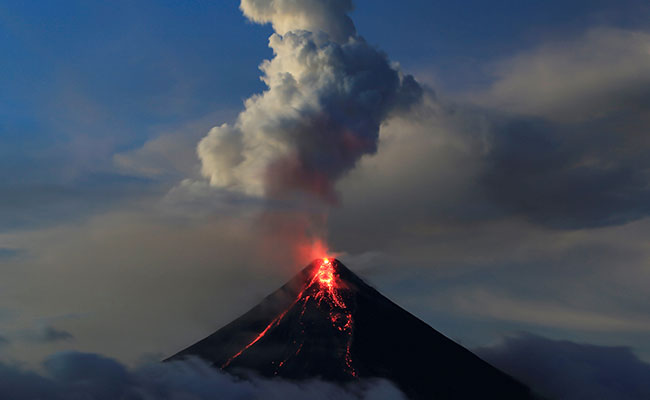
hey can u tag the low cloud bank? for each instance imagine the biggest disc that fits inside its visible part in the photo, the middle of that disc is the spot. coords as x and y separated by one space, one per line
88 376
560 369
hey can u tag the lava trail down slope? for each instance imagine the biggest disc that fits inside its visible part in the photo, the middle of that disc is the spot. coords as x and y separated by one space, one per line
327 323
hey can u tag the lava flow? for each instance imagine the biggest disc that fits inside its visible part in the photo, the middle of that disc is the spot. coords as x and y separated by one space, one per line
326 289
340 314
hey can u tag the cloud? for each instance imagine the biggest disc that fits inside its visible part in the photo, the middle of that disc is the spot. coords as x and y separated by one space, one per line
48 334
134 268
162 155
471 162
3 341
74 375
602 72
33 205
7 253
572 371
544 313
328 16
567 176
569 149
170 154
325 102
424 173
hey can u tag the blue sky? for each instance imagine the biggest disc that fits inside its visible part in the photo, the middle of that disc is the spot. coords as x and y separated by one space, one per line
514 199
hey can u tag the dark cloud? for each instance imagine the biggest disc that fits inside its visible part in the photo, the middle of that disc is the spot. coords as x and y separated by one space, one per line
566 149
74 375
3 341
48 334
567 370
18 384
575 175
569 149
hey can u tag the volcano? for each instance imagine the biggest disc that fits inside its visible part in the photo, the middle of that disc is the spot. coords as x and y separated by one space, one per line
328 323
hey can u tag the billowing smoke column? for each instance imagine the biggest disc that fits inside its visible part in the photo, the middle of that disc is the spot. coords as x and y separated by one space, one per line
328 93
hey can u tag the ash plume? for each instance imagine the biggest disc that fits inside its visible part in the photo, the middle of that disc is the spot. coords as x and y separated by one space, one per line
328 16
328 91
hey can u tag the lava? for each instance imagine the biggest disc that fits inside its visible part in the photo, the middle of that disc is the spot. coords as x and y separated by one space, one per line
328 290
339 313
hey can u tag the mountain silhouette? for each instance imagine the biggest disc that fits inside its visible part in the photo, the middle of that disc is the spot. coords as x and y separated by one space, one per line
327 323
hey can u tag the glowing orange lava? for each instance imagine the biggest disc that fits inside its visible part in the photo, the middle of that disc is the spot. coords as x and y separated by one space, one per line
340 315
328 290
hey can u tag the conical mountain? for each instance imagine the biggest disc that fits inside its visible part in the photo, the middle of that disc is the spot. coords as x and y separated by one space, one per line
327 323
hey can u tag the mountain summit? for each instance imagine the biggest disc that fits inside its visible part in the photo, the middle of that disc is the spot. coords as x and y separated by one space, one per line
327 323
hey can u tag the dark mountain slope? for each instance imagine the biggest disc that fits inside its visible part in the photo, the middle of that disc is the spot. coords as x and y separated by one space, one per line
327 323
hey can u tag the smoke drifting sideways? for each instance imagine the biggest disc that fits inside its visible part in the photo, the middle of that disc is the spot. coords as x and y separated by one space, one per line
74 375
328 93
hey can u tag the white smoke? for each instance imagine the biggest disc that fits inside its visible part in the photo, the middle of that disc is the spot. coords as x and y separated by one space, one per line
329 16
328 93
